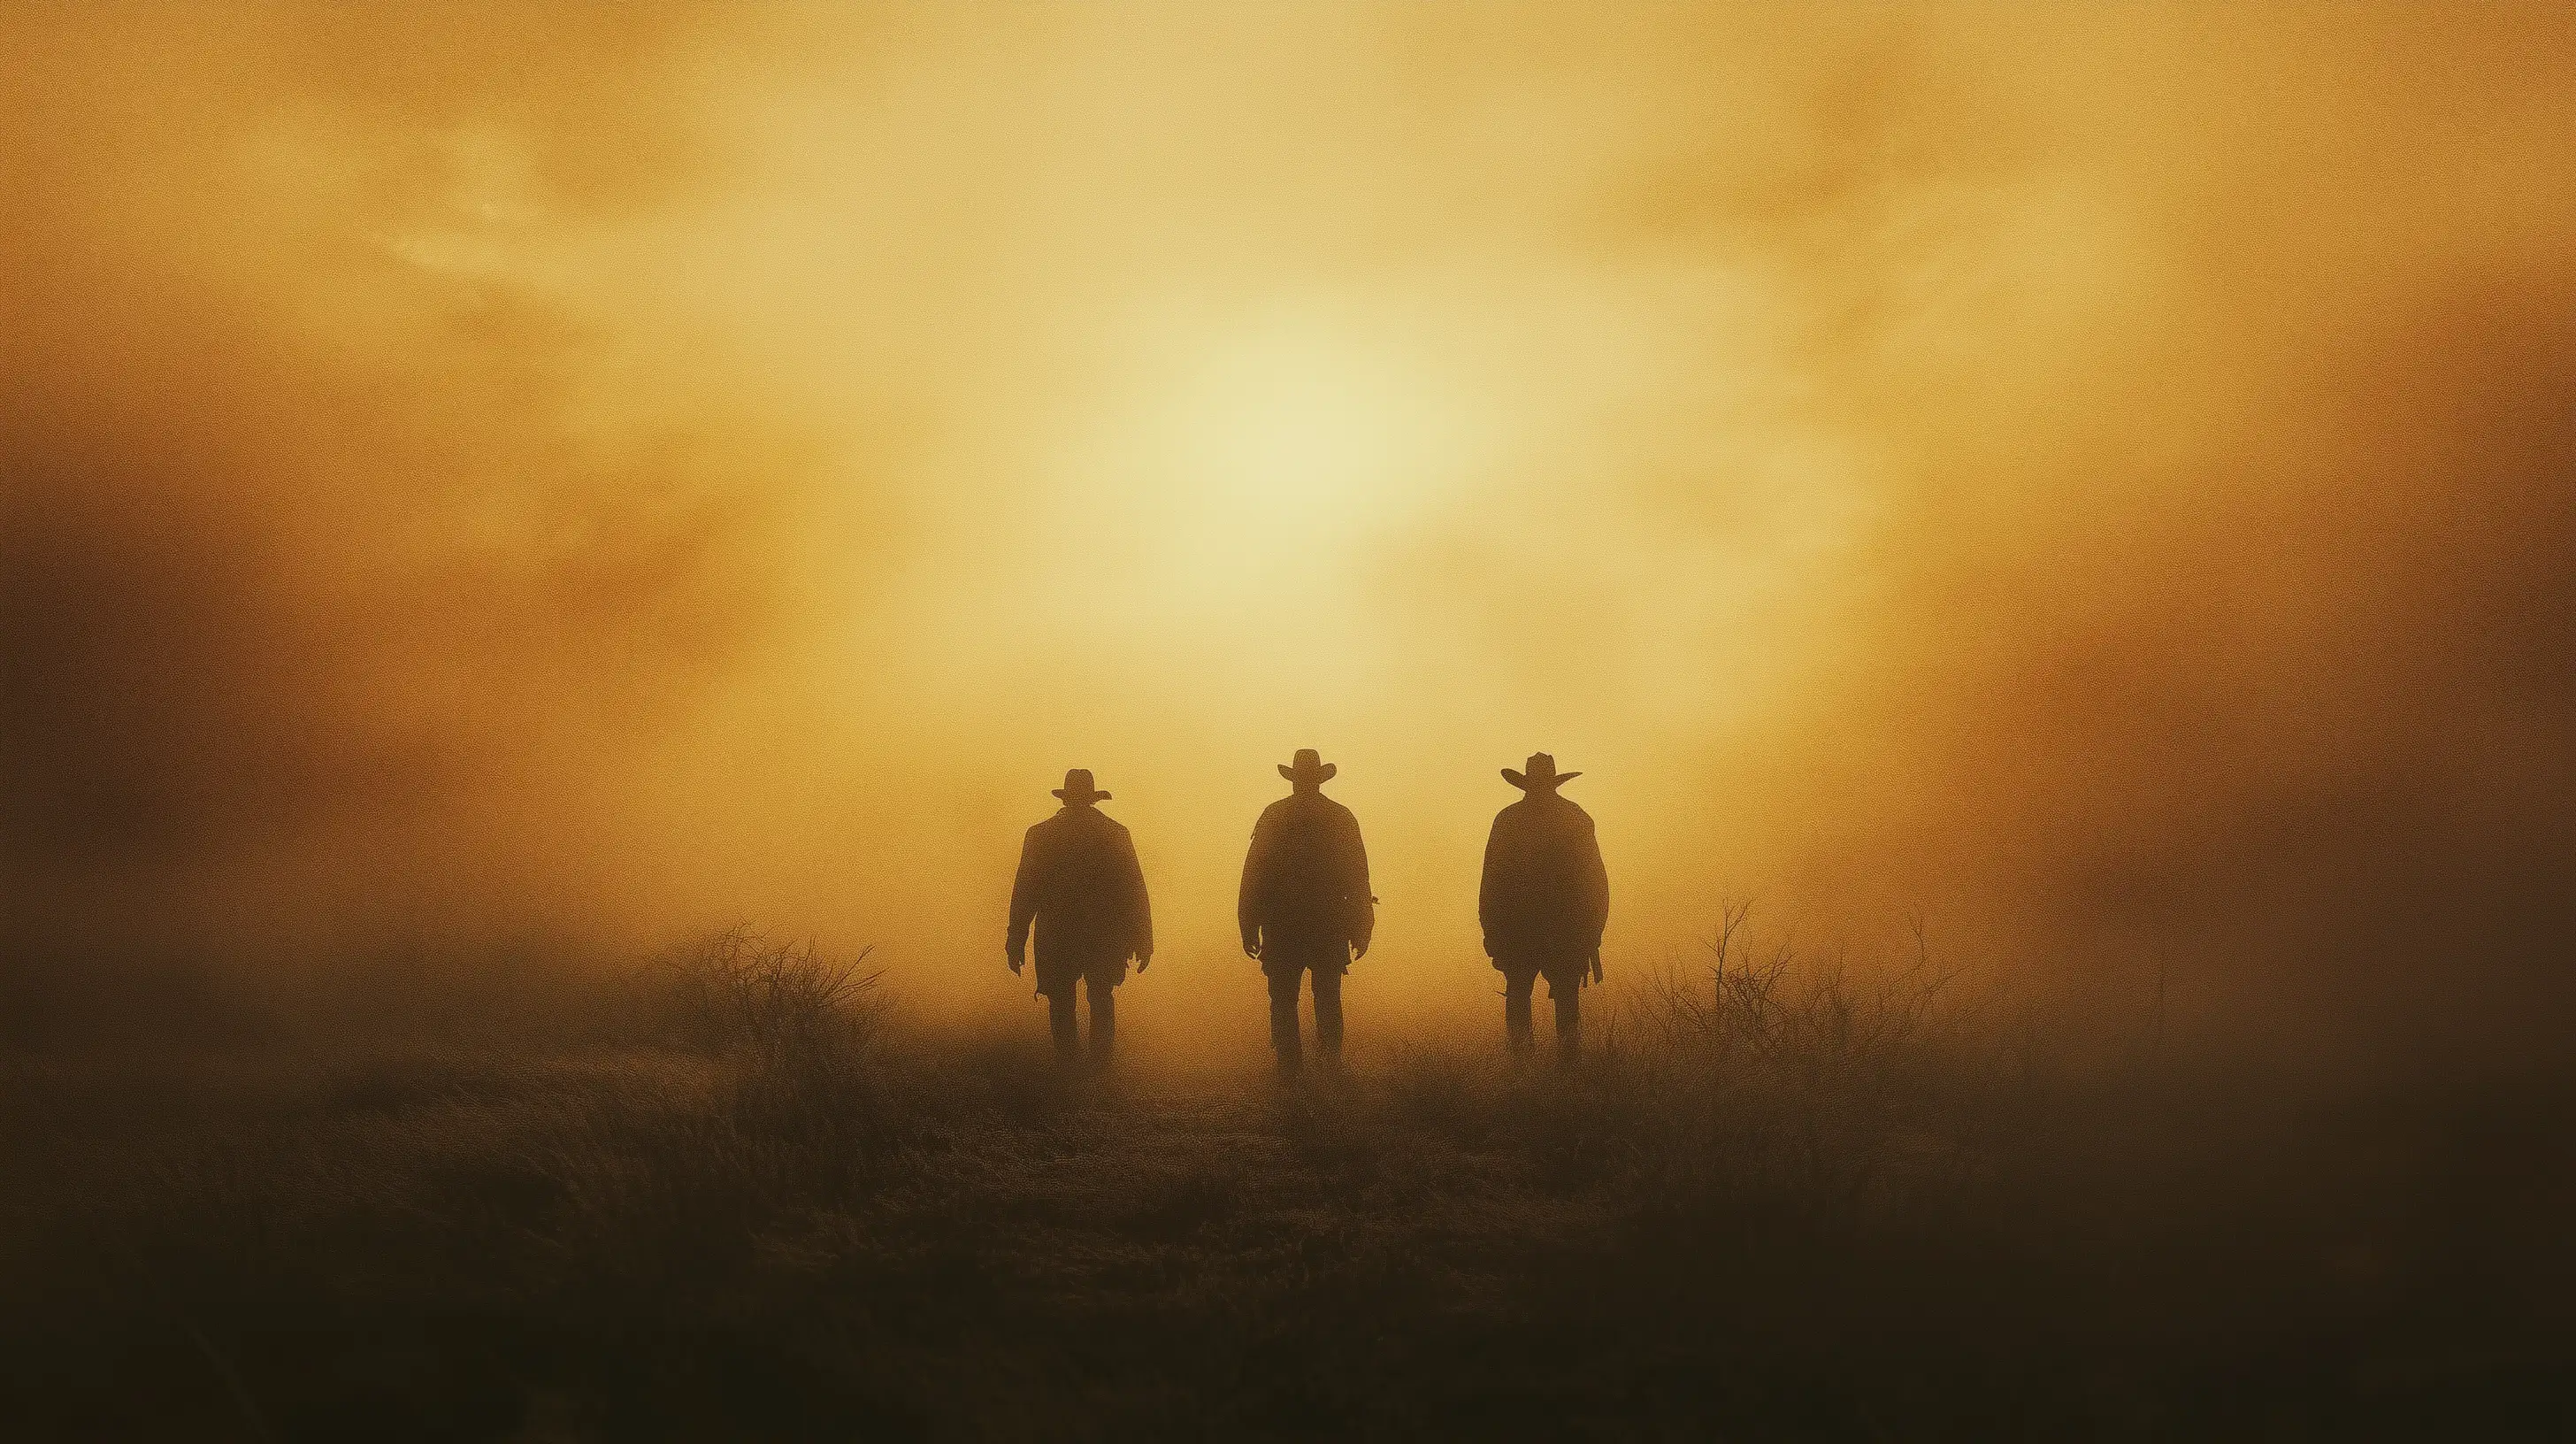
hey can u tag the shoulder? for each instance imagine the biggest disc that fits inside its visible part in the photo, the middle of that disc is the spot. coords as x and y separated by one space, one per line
1565 815
1090 822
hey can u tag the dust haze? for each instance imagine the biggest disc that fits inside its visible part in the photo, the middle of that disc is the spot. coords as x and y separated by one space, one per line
2098 479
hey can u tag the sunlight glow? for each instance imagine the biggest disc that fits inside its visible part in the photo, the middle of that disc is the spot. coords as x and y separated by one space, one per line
1270 454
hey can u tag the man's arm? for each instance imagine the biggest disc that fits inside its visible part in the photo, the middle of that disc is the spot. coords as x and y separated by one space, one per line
1363 902
1596 886
1256 881
1024 900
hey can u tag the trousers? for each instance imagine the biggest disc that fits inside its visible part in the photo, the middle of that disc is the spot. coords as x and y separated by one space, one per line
1283 1015
1564 988
1104 1020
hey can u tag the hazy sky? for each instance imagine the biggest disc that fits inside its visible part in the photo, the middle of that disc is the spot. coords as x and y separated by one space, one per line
2100 476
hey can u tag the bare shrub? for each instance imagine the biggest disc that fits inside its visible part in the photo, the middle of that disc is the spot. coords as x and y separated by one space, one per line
740 992
798 1026
1774 1069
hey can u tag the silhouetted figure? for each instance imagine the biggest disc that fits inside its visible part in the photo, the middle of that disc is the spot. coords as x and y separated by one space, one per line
1079 883
1544 902
1305 905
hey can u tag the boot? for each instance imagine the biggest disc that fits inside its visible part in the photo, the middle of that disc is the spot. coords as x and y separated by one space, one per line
1328 1018
1061 1022
1104 1024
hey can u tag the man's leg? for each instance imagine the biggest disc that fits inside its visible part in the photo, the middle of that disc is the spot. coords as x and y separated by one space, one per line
1328 1014
1283 1018
1104 1017
1568 996
1060 1019
1516 1008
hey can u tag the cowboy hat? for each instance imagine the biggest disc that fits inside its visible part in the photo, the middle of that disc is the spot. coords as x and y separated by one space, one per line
1542 773
1310 766
1077 787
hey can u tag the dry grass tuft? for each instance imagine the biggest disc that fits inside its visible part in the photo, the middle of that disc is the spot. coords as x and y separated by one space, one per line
1784 1197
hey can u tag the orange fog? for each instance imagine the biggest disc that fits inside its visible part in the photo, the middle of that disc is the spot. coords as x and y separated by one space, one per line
2098 479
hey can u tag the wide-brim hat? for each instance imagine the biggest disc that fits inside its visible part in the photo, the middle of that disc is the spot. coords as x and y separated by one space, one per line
1542 773
1077 787
1310 766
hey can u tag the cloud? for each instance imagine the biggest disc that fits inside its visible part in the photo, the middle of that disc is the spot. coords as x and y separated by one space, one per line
324 559
2100 479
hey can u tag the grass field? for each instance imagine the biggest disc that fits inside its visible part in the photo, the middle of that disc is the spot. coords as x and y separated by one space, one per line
1772 1206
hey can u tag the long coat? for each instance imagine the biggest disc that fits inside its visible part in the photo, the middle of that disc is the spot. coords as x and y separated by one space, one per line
1546 896
1079 883
1305 891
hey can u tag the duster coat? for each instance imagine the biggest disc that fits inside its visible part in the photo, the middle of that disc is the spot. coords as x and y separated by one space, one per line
1305 894
1545 897
1080 885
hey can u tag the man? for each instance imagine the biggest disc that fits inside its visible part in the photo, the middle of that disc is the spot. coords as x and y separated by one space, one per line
1544 902
1305 905
1079 883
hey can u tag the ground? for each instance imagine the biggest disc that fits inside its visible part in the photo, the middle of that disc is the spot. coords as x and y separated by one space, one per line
1774 1226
